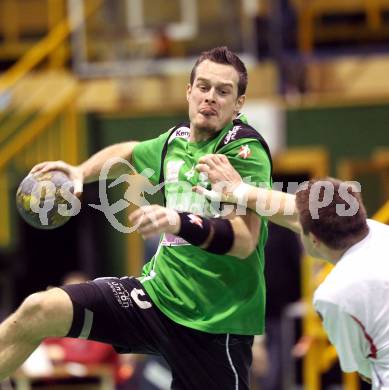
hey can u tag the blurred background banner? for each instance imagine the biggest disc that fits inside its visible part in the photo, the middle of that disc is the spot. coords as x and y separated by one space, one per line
76 76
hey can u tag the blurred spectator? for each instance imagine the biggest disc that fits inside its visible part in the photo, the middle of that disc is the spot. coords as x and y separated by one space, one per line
67 350
162 44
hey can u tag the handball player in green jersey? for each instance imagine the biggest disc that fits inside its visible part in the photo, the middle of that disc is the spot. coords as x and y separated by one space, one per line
201 298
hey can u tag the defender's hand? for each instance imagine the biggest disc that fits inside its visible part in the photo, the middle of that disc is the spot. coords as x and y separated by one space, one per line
155 219
75 173
222 175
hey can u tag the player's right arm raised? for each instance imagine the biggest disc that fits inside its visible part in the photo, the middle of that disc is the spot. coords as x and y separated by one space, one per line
228 187
89 171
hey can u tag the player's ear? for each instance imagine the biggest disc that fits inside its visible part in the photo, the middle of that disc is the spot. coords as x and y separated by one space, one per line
315 241
239 103
188 91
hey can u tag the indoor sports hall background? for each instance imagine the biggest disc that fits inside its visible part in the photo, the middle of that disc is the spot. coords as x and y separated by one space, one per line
76 76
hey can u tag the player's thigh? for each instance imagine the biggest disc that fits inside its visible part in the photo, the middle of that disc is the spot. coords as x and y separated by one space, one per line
107 310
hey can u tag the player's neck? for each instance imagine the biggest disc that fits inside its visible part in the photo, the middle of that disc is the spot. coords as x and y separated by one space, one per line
336 255
198 135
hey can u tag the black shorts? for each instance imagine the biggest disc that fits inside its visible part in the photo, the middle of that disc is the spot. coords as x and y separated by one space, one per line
120 312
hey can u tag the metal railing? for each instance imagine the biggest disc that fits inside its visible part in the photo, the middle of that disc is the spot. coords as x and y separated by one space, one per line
44 48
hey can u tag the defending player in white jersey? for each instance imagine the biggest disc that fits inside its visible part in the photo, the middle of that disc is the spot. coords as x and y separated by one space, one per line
353 301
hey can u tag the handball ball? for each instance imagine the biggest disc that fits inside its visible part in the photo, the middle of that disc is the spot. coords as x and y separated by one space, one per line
46 200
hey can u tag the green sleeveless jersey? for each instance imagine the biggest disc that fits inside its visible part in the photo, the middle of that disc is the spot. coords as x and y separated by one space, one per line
195 288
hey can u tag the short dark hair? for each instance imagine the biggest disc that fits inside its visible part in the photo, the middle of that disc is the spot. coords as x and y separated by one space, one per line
223 55
333 229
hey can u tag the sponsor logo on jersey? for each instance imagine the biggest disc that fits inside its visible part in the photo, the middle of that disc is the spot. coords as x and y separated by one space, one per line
136 293
231 135
121 294
181 132
244 151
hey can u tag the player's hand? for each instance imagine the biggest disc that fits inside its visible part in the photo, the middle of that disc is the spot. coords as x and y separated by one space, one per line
75 173
222 175
155 219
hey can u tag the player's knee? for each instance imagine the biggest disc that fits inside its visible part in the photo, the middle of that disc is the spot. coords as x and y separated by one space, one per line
34 304
47 313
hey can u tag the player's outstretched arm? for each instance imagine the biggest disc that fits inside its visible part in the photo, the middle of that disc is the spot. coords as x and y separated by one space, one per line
227 186
233 236
89 171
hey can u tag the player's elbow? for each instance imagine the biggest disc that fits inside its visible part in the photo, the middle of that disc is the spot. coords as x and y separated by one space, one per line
246 251
242 254
245 238
243 246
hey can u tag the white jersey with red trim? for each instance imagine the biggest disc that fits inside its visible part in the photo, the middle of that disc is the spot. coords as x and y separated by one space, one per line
354 303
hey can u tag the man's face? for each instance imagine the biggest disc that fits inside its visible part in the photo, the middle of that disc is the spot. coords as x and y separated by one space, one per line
213 97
